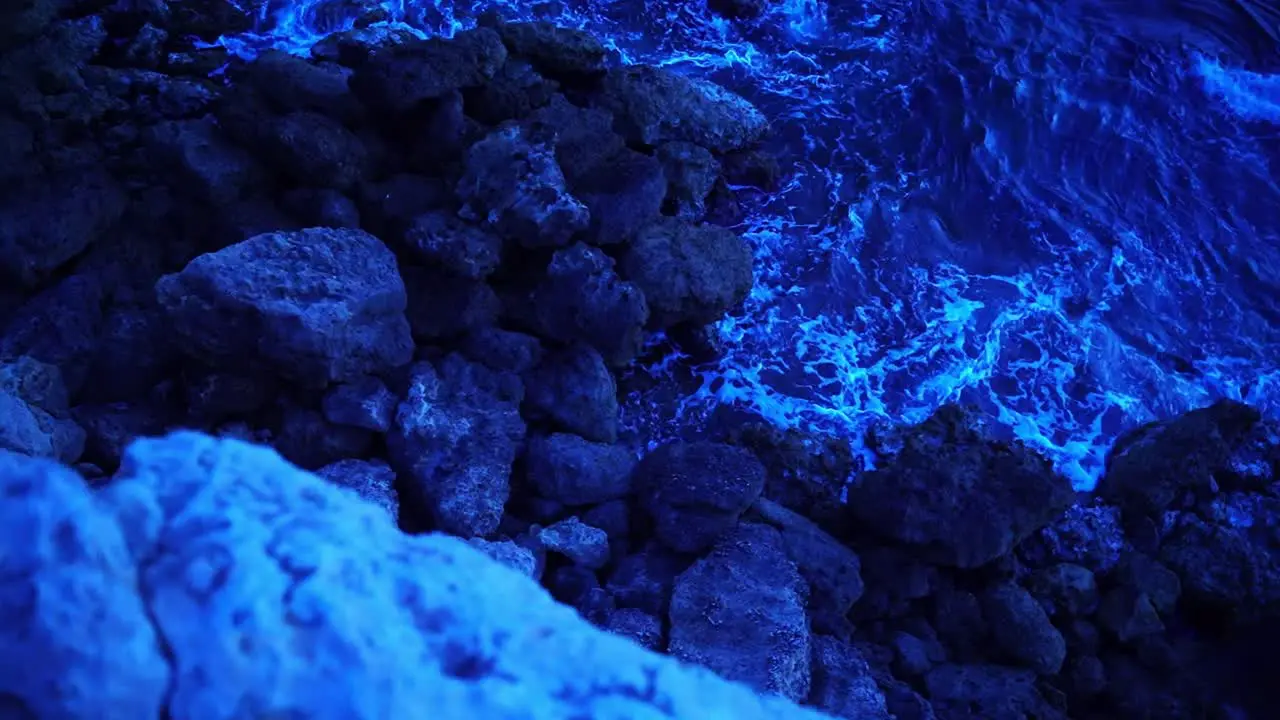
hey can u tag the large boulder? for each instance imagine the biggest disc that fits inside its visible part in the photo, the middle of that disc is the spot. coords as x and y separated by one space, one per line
695 492
656 105
314 306
688 273
399 77
213 580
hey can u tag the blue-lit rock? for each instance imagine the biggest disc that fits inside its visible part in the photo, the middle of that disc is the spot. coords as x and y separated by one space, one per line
397 77
696 492
582 299
688 273
656 105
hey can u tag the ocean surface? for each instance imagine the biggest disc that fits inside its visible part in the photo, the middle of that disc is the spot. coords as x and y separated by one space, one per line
1066 214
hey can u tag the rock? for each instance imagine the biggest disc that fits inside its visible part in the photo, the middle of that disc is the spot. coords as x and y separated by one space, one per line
831 569
76 634
574 471
655 105
623 194
754 168
1022 630
362 403
47 221
1228 568
613 517
305 438
557 51
209 167
388 208
372 480
20 430
987 691
643 581
1144 574
398 77
740 611
739 9
447 306
581 543
1090 536
21 22
644 630
582 299
513 94
213 396
1128 614
913 656
688 273
503 350
695 492
315 306
109 428
315 150
842 682
691 171
353 48
321 207
575 391
60 326
583 138
455 438
440 136
508 553
518 189
807 472
290 83
134 355
36 383
453 245
1068 589
171 550
956 497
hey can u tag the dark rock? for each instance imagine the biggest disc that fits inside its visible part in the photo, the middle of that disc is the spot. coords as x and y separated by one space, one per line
213 396
503 350
22 21
361 403
893 579
111 427
133 355
740 611
453 245
583 299
586 546
831 569
574 471
1128 614
688 273
573 389
904 703
146 50
644 580
807 472
30 430
723 206
438 135
843 685
47 221
36 383
315 150
290 84
755 168
321 207
388 208
1234 569
315 306
446 306
1090 536
1022 630
654 105
695 492
623 194
1147 576
509 553
1086 676
557 51
583 137
455 438
518 189
958 618
570 583
1067 589
353 48
613 517
513 94
644 629
60 326
372 480
739 9
990 692
305 438
691 171
913 656
398 77
957 497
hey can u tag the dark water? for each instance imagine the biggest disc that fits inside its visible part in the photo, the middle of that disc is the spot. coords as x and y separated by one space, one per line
1065 213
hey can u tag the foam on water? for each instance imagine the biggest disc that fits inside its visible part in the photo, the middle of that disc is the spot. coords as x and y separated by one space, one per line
989 203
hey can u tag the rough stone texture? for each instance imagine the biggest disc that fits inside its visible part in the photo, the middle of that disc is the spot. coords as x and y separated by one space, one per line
372 480
569 469
574 390
557 51
831 569
842 682
741 612
695 492
315 306
583 299
688 273
398 77
1022 630
584 545
237 560
454 245
509 553
655 105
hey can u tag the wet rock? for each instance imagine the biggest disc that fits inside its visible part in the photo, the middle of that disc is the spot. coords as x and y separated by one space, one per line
586 546
49 220
513 94
643 581
508 553
645 630
575 471
987 691
843 684
556 51
740 611
453 245
957 497
398 77
305 438
582 299
1022 630
321 207
623 194
362 403
455 438
315 306
574 390
447 306
691 171
688 273
831 569
695 492
503 350
518 189
372 480
654 105
353 48
1067 589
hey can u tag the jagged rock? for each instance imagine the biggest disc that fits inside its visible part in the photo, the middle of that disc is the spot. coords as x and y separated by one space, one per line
353 48
315 150
831 569
691 171
133 355
361 403
453 245
511 554
372 480
623 194
613 517
518 189
695 492
644 629
455 437
398 77
583 137
36 383
315 306
503 350
688 273
987 691
213 396
171 550
388 208
513 94
1090 536
569 469
582 299
842 682
209 166
1146 575
1128 614
655 105
574 390
1066 588
955 496
109 428
741 612
754 167
290 83
1023 630
643 581
1228 567
557 51
60 326
307 439
913 656
581 543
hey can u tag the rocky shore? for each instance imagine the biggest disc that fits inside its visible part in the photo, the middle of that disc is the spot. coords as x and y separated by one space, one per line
309 380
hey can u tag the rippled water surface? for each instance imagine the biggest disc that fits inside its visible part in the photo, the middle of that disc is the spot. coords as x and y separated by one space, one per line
1067 217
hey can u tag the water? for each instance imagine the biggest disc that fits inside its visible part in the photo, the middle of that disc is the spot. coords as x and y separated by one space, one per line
1065 216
